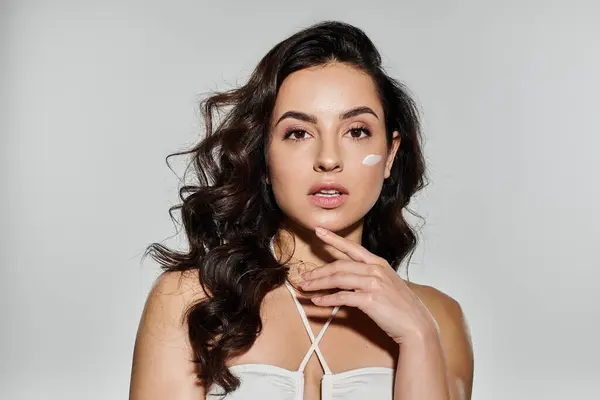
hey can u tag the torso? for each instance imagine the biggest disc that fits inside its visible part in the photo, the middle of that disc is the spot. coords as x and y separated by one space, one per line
283 340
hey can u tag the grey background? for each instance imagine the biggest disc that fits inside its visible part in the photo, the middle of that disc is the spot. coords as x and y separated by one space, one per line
95 94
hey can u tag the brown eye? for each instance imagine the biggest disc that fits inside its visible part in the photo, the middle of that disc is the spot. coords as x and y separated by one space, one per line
295 134
357 133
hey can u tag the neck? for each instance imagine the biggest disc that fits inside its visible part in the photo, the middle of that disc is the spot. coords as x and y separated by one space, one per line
305 250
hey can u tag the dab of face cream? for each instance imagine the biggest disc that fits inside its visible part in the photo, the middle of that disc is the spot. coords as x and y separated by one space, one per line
371 159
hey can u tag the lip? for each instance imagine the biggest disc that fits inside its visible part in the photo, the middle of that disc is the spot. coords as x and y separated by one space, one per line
330 201
327 186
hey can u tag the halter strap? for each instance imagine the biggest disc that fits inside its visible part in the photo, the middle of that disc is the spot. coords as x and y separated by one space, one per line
315 341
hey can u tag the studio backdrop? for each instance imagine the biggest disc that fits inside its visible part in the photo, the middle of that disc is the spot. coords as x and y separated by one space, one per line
95 94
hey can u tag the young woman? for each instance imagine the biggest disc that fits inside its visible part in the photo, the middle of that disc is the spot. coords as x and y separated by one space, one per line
289 289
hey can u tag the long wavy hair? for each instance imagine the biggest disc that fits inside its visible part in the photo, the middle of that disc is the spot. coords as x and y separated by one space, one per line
230 215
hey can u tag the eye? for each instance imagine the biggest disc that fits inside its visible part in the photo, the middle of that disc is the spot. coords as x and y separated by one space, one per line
296 135
359 133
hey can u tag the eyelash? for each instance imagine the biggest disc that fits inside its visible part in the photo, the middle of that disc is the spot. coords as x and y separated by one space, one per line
290 132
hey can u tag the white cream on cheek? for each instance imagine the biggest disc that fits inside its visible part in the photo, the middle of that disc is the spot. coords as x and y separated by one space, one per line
371 159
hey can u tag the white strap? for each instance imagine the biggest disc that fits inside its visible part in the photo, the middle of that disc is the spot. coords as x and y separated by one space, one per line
315 342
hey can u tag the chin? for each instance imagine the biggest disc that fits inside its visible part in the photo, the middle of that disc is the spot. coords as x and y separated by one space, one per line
330 220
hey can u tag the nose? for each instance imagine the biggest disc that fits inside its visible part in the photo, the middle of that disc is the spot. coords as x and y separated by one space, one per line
329 156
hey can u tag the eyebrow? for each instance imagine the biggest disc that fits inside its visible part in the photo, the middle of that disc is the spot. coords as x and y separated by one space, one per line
353 112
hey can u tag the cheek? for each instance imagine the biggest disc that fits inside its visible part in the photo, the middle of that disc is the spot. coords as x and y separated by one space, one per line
372 165
287 176
287 168
370 169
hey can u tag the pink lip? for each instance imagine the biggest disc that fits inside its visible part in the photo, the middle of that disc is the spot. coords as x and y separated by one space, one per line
327 186
330 201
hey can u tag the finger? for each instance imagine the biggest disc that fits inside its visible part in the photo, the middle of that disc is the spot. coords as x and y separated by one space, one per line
353 250
341 280
343 298
338 266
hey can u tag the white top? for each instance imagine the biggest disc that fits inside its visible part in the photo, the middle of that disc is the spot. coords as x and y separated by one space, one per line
270 382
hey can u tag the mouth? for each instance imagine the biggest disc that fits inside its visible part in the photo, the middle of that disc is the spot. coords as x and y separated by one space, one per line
328 195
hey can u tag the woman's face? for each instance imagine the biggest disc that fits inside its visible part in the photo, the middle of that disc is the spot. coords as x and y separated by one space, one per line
328 128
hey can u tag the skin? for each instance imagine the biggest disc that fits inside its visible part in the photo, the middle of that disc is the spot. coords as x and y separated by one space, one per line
382 315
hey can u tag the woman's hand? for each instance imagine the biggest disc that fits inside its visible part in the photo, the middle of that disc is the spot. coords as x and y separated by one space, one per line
370 284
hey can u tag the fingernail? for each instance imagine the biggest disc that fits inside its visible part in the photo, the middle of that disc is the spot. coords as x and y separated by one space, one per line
320 231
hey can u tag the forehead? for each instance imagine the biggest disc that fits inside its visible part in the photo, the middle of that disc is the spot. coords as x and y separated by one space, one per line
332 87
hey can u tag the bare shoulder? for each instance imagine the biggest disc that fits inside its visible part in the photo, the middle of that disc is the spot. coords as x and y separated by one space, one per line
454 333
177 289
161 359
439 303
